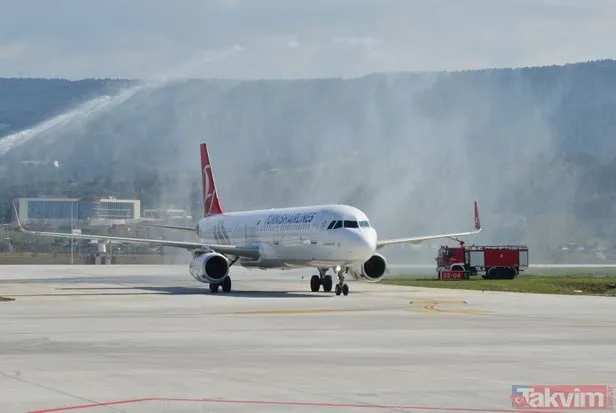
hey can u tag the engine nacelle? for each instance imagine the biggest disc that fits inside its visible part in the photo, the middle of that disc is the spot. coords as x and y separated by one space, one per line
372 270
210 267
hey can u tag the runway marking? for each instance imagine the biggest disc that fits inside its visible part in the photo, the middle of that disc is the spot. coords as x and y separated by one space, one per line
438 302
283 403
429 306
305 311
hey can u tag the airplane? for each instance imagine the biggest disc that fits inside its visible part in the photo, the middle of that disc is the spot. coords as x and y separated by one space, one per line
323 237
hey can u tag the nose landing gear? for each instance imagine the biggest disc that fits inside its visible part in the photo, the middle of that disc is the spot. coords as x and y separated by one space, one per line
341 287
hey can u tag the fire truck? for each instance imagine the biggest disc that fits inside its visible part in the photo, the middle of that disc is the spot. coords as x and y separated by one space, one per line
491 262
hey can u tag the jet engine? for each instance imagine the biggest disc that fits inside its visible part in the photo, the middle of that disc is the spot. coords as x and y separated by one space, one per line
210 267
372 270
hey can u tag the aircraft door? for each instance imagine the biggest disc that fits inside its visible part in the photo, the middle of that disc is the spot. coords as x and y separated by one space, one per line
318 224
278 234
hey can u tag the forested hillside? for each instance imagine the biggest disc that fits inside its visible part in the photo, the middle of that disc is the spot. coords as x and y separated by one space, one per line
535 146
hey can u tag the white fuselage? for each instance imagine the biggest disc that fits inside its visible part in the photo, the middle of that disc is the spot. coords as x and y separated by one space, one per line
316 236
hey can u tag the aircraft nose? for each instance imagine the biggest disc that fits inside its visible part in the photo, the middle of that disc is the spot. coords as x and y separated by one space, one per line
362 244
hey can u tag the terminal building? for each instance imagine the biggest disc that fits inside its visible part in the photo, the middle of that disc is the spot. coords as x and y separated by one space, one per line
57 212
172 216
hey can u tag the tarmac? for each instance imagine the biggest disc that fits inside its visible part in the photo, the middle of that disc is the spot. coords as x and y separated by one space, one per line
139 339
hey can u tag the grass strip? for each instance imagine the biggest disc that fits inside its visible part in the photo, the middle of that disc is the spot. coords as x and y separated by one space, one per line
569 285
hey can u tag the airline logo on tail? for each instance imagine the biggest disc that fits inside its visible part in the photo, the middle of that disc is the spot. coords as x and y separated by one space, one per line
211 204
208 192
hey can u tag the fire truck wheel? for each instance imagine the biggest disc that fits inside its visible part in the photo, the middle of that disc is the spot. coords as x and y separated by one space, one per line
510 273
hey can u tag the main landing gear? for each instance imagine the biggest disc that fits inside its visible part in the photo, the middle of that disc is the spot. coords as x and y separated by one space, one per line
316 281
225 284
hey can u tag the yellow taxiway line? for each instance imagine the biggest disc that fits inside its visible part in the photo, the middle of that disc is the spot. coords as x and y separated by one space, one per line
429 306
421 306
306 311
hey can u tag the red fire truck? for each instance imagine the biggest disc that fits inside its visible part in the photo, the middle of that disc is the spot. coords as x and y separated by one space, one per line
491 262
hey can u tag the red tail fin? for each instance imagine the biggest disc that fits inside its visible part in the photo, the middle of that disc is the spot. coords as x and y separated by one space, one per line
211 204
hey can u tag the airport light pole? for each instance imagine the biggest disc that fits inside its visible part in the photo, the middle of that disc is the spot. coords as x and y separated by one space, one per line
72 238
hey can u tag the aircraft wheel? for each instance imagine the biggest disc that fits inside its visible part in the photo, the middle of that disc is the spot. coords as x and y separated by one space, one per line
315 283
327 283
345 289
226 285
338 289
213 288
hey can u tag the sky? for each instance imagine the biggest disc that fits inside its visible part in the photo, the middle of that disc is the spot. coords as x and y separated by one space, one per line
252 39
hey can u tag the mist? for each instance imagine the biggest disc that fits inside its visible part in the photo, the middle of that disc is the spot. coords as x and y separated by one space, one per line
412 156
411 150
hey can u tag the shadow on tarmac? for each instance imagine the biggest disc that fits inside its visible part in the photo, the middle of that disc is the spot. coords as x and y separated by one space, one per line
179 290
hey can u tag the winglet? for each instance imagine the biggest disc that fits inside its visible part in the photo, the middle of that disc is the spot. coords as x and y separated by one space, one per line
477 222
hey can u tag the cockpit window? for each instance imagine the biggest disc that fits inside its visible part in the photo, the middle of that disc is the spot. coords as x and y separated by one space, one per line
335 225
351 224
348 224
356 224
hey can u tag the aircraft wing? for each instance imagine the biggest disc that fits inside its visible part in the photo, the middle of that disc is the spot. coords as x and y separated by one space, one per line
168 226
420 239
238 251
